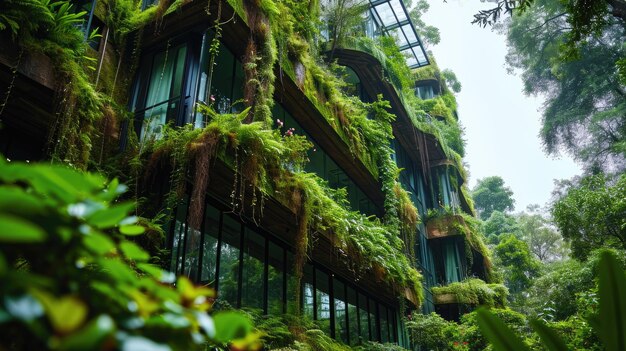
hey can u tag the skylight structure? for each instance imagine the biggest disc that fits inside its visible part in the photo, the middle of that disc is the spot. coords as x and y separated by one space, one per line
390 17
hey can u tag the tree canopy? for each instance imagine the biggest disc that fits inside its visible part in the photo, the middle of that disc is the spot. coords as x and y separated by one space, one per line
576 69
593 215
490 195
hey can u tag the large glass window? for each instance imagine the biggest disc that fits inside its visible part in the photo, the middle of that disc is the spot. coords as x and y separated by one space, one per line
180 227
364 321
275 279
322 299
228 280
384 324
221 84
373 314
341 317
252 285
308 293
209 244
164 94
353 316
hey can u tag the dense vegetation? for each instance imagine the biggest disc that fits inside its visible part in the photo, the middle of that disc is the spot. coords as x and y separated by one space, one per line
80 274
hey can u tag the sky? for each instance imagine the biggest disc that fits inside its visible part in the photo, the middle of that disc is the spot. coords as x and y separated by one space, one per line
501 123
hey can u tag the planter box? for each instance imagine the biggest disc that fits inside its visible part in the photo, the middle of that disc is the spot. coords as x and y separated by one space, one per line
445 226
445 299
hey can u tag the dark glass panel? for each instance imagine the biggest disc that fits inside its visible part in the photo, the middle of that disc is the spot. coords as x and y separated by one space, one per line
275 279
209 246
341 317
322 299
253 270
229 261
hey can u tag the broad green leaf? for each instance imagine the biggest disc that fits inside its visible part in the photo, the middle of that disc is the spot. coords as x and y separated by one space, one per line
118 270
98 243
17 201
132 230
499 335
133 251
110 217
611 291
91 336
231 326
549 338
66 314
17 230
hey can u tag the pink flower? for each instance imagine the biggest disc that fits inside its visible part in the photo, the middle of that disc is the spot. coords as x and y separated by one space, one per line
279 122
212 98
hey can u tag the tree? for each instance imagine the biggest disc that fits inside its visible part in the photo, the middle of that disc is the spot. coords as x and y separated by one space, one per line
585 108
514 258
543 239
593 215
500 223
490 195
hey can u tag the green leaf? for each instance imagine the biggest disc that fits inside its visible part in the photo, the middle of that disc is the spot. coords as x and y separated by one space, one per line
132 230
98 243
110 217
499 335
549 338
133 251
66 314
91 336
17 230
231 326
611 291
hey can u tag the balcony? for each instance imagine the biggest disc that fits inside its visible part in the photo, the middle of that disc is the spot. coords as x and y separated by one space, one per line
443 225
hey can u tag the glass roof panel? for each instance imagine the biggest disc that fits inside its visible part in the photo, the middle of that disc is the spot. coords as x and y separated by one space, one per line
386 14
394 20
399 10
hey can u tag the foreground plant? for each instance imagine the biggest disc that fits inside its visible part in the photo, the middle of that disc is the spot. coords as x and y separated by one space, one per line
73 279
609 324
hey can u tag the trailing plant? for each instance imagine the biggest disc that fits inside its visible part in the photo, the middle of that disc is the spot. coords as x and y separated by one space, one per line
432 331
73 279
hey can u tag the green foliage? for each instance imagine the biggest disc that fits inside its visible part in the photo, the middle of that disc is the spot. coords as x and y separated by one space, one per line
608 323
478 339
475 292
585 105
500 223
517 263
591 215
432 332
490 195
73 279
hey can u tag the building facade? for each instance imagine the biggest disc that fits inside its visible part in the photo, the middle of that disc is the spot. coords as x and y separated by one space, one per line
257 246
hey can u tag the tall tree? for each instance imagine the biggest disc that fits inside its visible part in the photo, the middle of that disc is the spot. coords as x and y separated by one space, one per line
593 215
500 223
544 240
490 195
585 109
519 266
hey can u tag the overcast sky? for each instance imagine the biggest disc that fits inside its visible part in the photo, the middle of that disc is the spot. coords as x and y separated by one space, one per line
501 122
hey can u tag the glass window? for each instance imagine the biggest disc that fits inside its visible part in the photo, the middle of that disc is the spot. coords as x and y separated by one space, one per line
373 313
192 252
275 278
292 288
228 279
252 280
364 324
384 324
341 317
308 298
353 316
322 299
164 91
180 227
209 245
